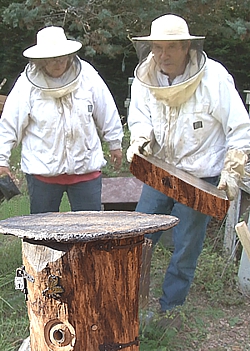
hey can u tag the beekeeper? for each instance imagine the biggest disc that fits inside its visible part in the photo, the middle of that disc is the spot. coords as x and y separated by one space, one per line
59 110
186 111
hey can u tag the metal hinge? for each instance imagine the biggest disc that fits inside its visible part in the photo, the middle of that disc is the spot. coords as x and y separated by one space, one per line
21 280
117 346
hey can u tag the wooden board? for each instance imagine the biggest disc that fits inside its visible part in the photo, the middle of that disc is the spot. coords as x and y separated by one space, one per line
147 251
181 186
244 236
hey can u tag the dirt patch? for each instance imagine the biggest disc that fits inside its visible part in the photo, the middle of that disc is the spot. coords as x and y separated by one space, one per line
220 324
222 328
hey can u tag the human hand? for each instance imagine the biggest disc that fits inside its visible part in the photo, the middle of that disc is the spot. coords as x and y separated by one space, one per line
141 145
5 171
232 172
116 158
229 182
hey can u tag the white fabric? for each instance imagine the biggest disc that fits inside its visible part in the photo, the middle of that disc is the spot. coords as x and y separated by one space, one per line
235 161
182 87
169 27
230 183
52 42
60 87
56 87
59 137
234 169
195 136
135 147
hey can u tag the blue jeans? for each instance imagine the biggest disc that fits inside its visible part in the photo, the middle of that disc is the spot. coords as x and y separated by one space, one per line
188 238
83 196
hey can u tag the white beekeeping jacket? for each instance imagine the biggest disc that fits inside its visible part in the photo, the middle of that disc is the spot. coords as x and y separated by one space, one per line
206 119
59 127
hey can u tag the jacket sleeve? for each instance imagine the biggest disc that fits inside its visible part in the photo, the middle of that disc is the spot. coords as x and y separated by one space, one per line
14 120
229 110
139 118
105 114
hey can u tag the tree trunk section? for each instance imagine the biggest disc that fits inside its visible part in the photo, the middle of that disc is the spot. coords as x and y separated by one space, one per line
80 276
98 308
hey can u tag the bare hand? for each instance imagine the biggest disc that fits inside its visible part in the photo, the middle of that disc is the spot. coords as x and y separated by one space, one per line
116 158
5 171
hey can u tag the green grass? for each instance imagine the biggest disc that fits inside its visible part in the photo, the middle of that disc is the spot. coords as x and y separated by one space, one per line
14 322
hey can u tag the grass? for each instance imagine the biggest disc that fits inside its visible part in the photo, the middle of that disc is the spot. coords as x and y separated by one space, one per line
215 281
14 323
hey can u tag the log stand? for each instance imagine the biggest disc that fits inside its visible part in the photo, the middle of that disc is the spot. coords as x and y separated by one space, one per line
80 277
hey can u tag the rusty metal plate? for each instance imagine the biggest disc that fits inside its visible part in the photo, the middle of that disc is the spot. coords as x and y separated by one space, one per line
85 226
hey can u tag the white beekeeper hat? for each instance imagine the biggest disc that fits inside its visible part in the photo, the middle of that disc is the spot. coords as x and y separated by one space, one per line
52 42
169 27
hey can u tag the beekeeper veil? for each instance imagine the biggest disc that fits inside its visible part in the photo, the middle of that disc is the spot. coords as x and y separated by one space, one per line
52 44
170 28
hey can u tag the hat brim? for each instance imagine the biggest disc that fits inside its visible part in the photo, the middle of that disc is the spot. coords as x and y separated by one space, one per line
37 51
167 38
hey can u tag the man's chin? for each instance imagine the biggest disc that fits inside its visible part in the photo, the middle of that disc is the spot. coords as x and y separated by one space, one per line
164 71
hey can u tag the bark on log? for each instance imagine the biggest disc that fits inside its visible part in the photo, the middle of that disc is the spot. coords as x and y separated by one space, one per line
181 186
82 271
89 296
147 251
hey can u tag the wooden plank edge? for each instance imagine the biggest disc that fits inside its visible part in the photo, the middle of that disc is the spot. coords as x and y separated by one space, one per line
218 204
244 236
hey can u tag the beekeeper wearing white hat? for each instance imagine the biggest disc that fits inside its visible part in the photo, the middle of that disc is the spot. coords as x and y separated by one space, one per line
59 110
186 111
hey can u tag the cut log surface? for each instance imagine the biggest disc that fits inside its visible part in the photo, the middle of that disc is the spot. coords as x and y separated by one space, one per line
181 186
85 226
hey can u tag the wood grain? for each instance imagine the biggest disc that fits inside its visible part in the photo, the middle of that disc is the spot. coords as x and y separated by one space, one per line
99 303
84 295
181 186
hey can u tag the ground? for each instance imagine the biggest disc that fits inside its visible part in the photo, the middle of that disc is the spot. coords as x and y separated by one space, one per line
208 324
228 330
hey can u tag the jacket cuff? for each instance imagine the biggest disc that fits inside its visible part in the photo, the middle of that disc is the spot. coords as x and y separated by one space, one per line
115 145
